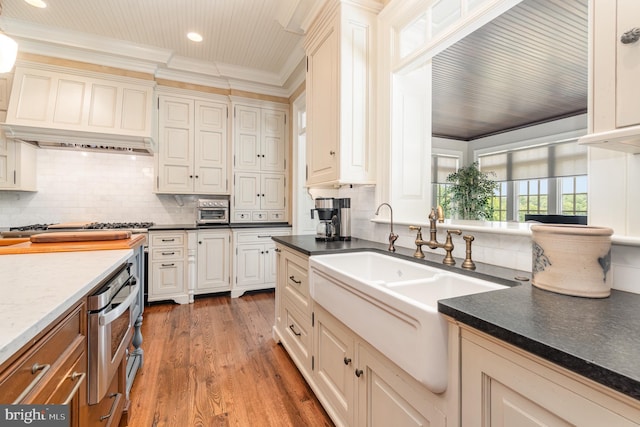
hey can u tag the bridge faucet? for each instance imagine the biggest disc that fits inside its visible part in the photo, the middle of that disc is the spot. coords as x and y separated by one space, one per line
392 237
433 243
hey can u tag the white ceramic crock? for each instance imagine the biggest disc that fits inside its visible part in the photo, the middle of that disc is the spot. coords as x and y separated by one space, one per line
572 259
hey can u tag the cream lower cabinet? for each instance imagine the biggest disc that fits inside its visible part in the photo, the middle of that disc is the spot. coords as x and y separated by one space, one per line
293 323
506 386
167 266
360 386
213 262
254 262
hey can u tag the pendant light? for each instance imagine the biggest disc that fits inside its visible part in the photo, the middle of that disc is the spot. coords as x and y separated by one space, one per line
8 51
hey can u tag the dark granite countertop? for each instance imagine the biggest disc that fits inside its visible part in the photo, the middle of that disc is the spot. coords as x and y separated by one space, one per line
596 338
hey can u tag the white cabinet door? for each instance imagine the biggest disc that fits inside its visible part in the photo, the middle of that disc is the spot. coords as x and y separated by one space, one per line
272 191
250 264
323 109
175 145
167 279
246 191
17 165
270 263
627 66
386 396
210 153
335 364
272 146
213 262
247 138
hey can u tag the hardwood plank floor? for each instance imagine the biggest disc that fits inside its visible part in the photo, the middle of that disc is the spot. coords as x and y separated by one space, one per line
215 363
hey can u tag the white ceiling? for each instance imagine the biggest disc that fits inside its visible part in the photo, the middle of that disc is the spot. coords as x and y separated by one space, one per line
245 41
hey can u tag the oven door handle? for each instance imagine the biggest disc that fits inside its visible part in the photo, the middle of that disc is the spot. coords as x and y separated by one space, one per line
105 319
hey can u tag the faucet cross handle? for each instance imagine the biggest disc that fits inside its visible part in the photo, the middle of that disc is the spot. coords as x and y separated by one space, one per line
419 242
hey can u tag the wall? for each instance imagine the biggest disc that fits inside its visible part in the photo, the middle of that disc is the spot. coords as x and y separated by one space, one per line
102 187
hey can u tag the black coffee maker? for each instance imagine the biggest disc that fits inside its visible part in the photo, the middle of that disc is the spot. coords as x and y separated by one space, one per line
328 216
335 218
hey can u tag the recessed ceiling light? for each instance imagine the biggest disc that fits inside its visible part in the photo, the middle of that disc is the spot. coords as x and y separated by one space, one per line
37 3
194 37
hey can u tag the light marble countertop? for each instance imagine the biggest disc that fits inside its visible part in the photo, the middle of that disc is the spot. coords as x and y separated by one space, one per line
37 288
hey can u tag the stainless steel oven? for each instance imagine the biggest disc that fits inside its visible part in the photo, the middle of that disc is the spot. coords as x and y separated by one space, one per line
212 211
111 318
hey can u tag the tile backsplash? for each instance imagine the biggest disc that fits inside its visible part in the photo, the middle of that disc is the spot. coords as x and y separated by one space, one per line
89 186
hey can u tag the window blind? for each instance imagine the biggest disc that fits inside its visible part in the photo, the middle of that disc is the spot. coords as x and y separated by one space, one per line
547 161
442 166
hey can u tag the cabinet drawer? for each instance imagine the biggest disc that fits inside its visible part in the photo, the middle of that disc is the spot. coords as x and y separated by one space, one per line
108 411
41 363
161 254
259 216
276 216
296 284
168 239
242 216
297 335
73 376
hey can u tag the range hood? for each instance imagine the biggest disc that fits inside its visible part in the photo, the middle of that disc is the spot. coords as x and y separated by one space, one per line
80 140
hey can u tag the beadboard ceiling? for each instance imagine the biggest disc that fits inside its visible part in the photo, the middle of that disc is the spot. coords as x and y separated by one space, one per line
252 40
527 66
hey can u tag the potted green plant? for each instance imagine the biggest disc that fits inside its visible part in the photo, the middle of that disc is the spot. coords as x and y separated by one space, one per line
471 192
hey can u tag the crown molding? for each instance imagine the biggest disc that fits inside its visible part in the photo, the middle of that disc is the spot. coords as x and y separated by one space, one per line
162 63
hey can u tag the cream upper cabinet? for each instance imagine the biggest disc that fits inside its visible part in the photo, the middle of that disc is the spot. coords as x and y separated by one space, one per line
505 386
67 99
615 53
192 146
340 48
259 163
17 165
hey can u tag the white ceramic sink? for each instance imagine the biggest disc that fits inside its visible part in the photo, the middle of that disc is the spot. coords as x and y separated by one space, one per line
392 303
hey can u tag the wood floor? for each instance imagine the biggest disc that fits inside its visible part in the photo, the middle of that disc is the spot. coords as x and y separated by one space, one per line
215 363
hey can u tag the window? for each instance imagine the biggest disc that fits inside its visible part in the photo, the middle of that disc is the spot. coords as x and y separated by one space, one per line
442 165
533 197
499 202
543 179
574 195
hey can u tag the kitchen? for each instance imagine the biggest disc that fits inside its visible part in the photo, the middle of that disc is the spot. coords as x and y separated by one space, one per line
66 194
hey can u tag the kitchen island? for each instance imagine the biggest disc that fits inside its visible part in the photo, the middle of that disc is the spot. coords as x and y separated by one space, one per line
593 341
37 288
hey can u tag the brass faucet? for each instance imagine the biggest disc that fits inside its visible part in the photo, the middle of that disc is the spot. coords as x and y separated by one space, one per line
392 237
433 243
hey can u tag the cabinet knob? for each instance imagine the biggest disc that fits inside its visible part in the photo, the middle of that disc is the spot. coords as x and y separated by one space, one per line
332 153
199 242
359 373
190 176
347 360
631 36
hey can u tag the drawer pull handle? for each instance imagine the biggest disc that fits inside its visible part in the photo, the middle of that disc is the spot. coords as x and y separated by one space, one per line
35 368
169 265
631 36
113 405
347 360
293 279
294 331
73 377
168 253
359 373
168 240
